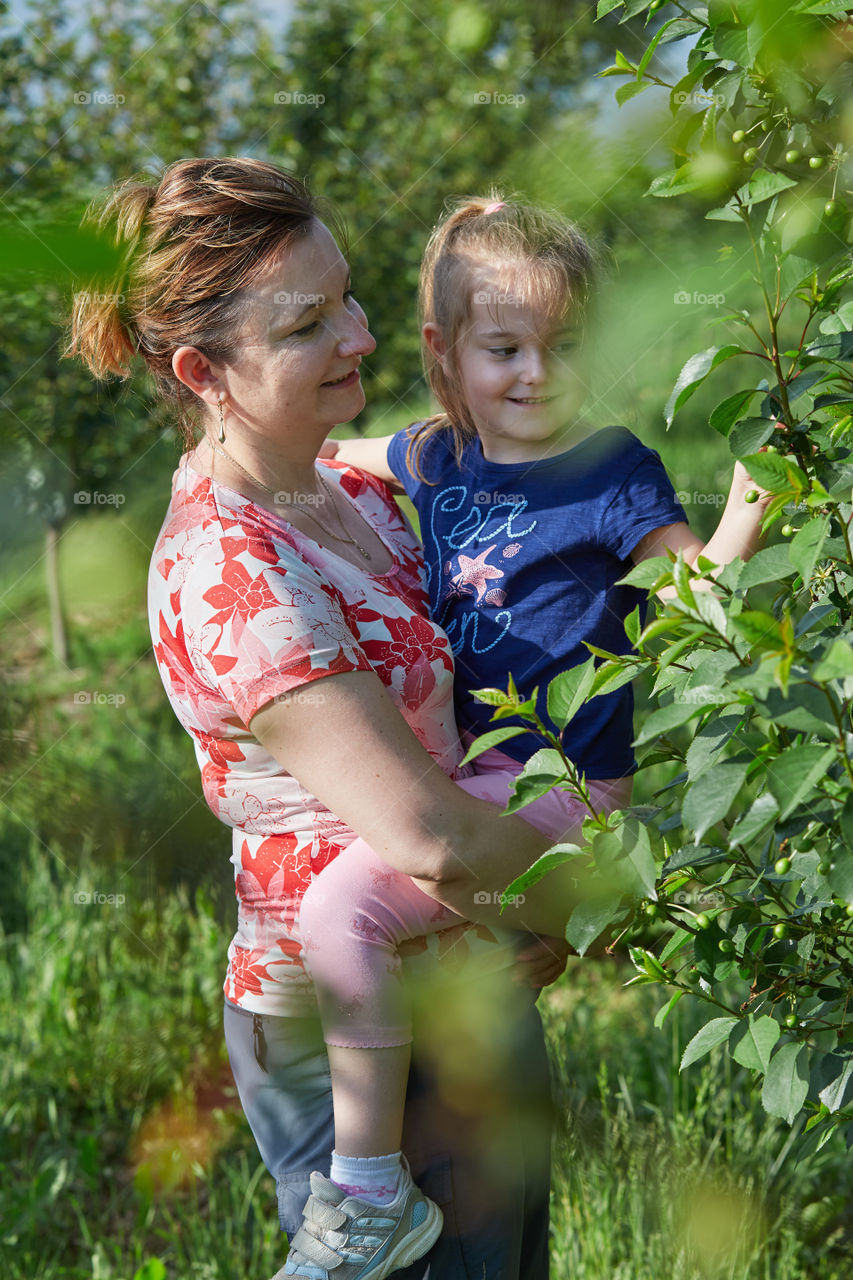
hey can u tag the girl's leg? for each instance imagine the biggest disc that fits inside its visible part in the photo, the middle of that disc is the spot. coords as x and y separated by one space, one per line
353 919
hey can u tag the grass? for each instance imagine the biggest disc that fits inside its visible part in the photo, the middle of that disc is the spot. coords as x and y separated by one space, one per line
120 1129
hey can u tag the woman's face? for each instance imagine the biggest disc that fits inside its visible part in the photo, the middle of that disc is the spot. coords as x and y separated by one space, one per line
297 372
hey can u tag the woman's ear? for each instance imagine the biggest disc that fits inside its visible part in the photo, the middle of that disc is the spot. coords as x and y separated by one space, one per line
191 367
435 344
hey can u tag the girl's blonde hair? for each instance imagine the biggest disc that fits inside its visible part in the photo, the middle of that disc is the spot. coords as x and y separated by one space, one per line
539 259
190 244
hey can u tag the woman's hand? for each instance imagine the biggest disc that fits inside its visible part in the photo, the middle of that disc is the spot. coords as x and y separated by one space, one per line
542 961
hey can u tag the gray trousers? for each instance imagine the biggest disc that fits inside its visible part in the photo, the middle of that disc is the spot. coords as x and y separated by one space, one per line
477 1125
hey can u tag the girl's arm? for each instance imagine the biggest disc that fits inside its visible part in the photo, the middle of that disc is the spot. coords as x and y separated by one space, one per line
350 747
737 534
367 453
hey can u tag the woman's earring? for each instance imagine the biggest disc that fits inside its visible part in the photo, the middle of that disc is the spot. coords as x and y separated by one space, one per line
221 418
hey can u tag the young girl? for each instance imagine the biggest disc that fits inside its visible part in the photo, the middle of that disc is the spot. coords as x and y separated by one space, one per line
529 517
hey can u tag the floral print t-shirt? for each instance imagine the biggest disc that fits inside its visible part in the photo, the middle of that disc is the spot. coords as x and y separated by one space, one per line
244 607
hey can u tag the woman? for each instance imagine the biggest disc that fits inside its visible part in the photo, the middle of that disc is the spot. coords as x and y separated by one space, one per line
291 632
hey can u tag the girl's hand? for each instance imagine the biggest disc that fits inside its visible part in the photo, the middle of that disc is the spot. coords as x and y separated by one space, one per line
743 483
542 961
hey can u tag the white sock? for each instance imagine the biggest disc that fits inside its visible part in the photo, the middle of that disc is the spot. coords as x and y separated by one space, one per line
375 1179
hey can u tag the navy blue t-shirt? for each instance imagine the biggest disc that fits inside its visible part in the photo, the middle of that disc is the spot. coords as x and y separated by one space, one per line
521 562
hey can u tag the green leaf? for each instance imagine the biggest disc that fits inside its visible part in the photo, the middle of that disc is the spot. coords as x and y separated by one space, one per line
568 691
729 410
841 875
675 182
627 91
693 374
775 472
539 775
805 548
836 663
664 1012
645 574
763 186
710 797
770 564
152 1269
707 1038
759 816
754 1047
632 625
748 435
661 32
792 775
590 918
732 44
638 850
666 718
760 630
607 6
552 858
786 1082
488 740
835 1094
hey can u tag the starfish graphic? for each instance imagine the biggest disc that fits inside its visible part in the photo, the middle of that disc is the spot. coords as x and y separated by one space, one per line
474 572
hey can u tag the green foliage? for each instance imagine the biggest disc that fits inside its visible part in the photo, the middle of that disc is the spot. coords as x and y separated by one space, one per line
751 699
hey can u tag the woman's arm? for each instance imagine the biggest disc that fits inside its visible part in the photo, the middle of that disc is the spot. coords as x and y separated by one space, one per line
366 452
350 747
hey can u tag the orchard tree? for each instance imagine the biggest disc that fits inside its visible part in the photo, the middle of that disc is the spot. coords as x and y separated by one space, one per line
745 858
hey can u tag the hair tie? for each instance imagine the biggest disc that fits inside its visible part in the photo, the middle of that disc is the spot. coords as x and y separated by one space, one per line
493 208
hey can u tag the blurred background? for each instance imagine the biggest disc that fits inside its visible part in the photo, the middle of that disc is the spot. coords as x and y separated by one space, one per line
123 1152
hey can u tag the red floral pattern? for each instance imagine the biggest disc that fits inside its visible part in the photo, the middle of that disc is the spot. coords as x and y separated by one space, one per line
243 607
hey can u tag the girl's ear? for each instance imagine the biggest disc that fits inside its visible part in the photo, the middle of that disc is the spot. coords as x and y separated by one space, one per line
434 340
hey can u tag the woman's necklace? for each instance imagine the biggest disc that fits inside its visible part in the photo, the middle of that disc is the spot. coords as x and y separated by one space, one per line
347 539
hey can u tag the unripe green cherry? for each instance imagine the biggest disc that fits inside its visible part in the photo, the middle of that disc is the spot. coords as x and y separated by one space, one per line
824 868
788 530
816 162
792 156
693 976
782 866
791 1020
738 135
848 910
750 155
780 930
727 947
751 496
830 207
702 921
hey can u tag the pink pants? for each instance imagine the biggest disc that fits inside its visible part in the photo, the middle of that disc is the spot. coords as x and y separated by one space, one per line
356 914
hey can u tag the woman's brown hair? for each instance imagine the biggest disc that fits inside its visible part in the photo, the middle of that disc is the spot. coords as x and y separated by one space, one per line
540 259
191 245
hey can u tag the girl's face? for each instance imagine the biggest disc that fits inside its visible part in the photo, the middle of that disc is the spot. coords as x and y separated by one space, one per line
520 376
297 373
